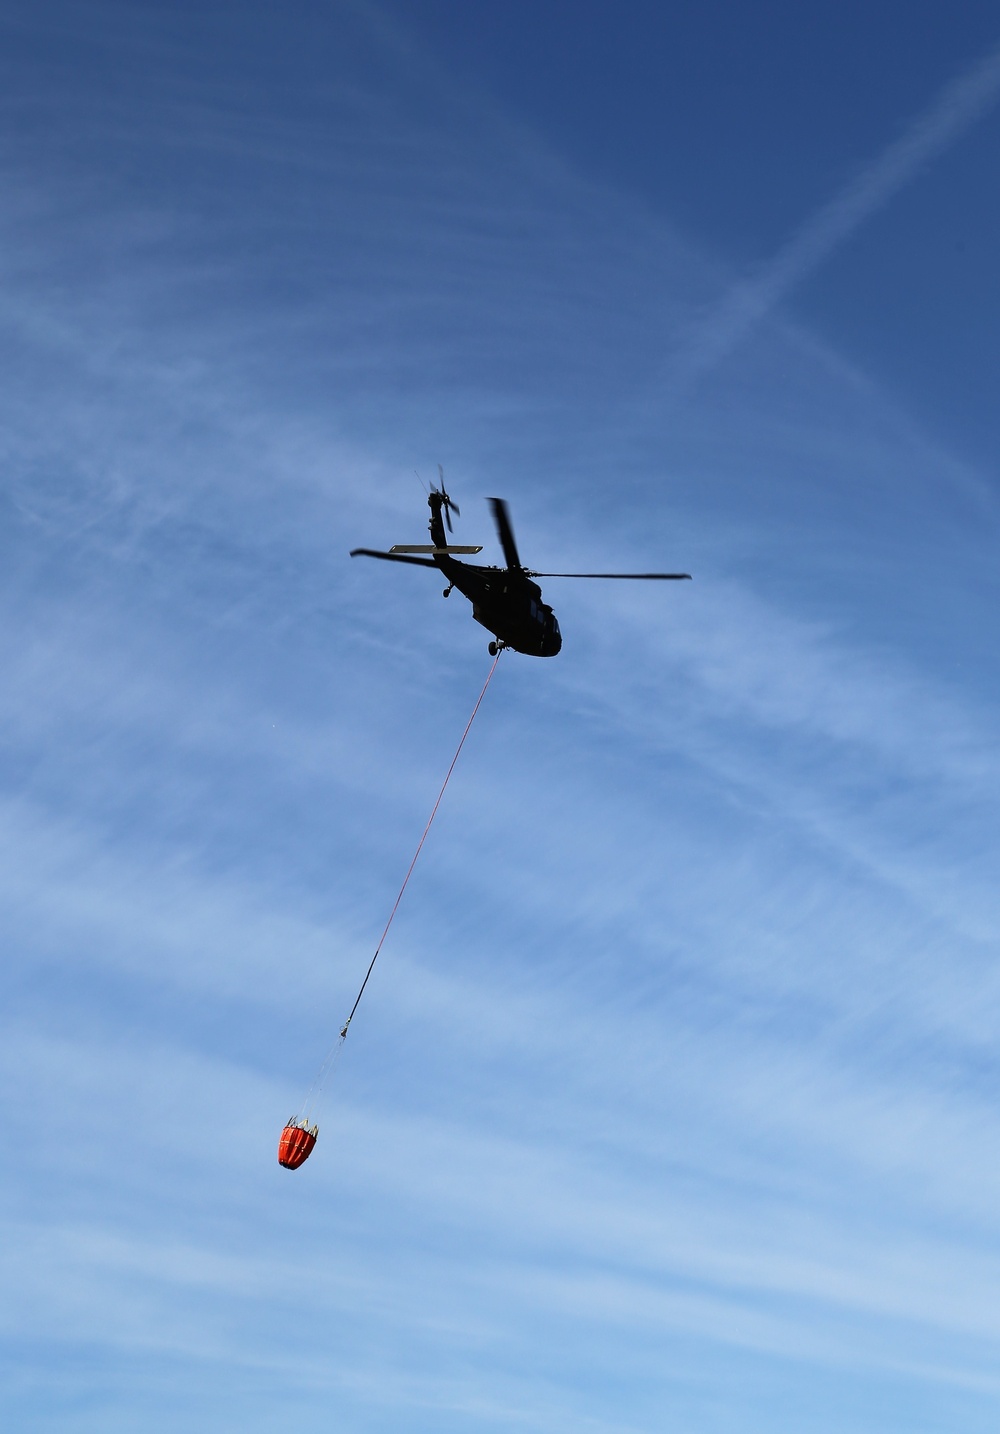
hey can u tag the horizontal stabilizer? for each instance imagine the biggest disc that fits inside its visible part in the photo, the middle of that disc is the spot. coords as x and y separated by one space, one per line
429 548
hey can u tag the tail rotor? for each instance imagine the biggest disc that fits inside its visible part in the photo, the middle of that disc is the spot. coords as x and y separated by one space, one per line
446 503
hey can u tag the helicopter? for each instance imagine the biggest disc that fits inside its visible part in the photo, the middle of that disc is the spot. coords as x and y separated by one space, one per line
506 601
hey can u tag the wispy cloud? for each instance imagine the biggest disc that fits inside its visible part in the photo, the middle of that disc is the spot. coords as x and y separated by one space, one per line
680 1054
960 105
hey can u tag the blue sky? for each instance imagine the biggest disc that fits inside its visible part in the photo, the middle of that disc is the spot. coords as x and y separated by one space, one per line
672 1103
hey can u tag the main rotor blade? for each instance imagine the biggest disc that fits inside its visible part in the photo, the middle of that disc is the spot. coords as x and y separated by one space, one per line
644 577
505 532
393 557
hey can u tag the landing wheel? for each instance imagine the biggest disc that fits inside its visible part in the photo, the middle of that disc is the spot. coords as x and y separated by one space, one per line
493 649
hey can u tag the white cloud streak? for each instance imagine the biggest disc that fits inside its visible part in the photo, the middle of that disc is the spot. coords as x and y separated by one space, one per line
510 1153
962 104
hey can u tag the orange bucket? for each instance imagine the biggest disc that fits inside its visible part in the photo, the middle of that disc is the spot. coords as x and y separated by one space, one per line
296 1143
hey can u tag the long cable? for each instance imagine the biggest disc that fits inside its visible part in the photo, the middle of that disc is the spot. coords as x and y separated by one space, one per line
420 843
331 1058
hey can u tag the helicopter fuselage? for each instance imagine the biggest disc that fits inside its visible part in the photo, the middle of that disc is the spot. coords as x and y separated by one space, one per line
507 603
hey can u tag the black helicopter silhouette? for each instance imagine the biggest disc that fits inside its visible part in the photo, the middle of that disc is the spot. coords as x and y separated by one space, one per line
504 600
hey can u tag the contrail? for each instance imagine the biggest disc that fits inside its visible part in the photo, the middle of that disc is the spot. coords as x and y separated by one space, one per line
959 106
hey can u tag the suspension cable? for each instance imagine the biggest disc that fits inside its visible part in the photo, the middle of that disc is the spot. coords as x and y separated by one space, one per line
331 1058
420 843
